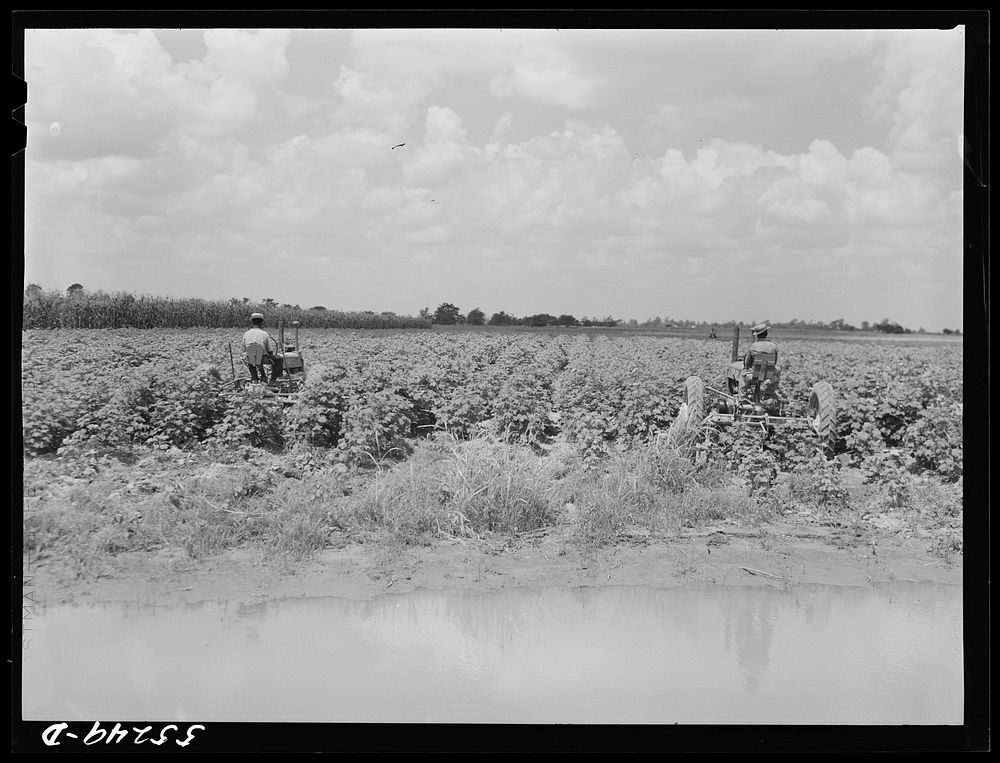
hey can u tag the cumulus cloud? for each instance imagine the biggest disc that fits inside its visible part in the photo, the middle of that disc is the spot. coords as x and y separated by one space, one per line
444 151
254 57
553 82
917 95
367 102
126 95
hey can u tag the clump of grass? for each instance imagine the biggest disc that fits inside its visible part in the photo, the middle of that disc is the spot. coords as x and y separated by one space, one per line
296 532
459 488
722 503
937 501
652 488
406 502
817 489
285 521
606 506
78 531
937 507
946 542
85 525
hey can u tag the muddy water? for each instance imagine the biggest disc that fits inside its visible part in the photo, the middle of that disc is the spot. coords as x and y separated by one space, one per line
812 654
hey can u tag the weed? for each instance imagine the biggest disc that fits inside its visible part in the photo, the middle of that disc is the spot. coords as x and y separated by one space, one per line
947 542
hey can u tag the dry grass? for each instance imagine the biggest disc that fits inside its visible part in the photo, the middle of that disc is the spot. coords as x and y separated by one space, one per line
462 488
286 508
654 489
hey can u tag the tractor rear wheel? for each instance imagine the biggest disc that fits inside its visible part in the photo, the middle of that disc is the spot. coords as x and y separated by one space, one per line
823 410
690 414
694 396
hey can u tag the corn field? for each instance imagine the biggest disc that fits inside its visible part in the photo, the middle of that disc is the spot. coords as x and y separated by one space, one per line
98 310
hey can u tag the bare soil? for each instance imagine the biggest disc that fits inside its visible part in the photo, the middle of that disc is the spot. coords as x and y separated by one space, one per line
786 553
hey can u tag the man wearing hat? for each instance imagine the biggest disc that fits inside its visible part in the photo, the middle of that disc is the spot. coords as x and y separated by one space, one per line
257 345
762 347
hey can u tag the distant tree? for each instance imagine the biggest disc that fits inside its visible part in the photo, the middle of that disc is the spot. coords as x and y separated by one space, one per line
74 288
476 317
949 332
633 323
586 322
568 320
539 319
32 290
865 326
317 307
502 319
889 327
447 314
425 313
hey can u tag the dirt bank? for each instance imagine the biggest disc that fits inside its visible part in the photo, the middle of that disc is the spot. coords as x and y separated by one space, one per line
779 554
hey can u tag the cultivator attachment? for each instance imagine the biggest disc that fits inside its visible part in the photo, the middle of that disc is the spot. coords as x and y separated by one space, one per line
763 413
279 393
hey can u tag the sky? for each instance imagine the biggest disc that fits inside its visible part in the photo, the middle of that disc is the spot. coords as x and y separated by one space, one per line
707 175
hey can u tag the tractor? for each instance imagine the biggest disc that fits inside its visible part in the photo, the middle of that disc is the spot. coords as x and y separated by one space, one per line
286 387
758 404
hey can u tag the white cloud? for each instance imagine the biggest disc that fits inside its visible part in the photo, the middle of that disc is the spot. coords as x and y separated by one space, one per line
444 125
367 103
553 82
501 128
917 93
254 57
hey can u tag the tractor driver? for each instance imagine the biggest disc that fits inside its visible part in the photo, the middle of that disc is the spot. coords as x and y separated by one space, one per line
256 336
761 346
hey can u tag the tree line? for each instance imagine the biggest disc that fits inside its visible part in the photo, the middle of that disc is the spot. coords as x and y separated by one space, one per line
448 314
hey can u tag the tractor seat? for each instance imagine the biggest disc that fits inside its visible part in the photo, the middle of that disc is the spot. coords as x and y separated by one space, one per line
765 368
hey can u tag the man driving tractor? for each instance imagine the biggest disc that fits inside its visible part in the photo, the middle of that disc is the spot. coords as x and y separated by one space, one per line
257 345
740 375
761 348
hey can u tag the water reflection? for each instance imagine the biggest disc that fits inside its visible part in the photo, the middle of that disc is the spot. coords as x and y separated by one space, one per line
747 631
549 655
